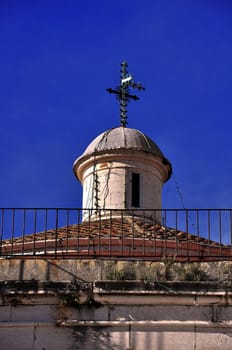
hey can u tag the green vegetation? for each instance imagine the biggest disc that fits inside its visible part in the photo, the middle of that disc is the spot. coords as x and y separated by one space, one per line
166 270
70 299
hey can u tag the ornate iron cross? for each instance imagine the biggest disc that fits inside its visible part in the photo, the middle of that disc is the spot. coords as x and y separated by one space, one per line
122 92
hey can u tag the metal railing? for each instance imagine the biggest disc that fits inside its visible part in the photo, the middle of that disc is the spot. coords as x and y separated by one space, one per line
179 234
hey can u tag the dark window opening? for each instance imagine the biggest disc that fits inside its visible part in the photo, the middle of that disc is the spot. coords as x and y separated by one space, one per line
135 199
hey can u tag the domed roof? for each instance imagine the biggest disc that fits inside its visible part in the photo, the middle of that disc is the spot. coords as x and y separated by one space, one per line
124 138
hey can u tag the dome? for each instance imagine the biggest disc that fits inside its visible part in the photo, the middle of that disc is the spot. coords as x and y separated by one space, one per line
124 138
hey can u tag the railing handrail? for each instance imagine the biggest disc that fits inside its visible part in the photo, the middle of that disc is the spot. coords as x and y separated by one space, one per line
116 209
144 233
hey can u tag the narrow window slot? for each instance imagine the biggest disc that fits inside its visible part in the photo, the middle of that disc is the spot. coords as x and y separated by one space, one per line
135 199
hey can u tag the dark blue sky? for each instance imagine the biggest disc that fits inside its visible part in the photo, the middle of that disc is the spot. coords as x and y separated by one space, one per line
58 57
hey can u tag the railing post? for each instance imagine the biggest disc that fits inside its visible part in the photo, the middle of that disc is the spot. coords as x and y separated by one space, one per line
78 230
220 231
230 212
67 228
56 231
176 228
154 234
122 247
23 230
198 232
2 226
12 232
133 233
209 232
110 238
45 231
144 221
99 234
187 232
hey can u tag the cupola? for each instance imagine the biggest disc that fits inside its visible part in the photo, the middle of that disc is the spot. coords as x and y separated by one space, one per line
122 168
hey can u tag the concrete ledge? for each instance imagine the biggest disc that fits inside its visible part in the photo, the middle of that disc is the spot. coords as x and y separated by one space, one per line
22 324
162 287
153 324
122 323
116 293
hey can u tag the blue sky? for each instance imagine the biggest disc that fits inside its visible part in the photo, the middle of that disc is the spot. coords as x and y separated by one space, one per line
57 59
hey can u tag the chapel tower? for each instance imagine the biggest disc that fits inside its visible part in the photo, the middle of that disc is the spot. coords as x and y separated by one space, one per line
122 168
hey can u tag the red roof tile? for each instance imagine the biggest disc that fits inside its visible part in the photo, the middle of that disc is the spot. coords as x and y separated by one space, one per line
116 237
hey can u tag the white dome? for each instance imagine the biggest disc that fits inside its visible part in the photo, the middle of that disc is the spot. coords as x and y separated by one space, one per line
121 137
124 138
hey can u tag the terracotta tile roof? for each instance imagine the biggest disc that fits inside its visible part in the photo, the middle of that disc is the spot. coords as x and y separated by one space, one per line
126 228
115 237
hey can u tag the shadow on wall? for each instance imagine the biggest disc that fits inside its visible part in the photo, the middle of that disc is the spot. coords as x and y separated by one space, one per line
49 264
106 338
34 270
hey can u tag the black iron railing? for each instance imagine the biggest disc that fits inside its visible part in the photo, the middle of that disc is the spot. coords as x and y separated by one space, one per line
180 234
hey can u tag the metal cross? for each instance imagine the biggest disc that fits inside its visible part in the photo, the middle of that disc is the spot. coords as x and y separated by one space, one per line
122 92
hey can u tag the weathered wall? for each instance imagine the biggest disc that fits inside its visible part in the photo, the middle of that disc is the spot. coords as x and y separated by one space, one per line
91 270
114 178
40 336
39 311
43 322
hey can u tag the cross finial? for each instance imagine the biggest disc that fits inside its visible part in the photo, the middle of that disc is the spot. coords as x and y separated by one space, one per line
122 92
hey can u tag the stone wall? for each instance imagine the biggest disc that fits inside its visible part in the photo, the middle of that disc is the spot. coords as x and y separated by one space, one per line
115 305
96 269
